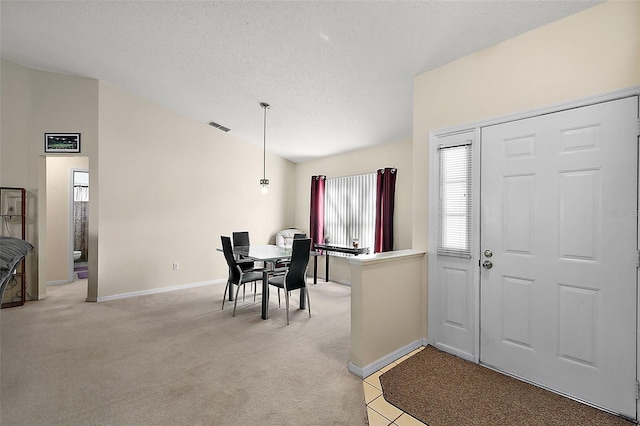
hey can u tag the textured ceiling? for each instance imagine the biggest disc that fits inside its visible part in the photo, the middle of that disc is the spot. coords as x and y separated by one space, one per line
338 75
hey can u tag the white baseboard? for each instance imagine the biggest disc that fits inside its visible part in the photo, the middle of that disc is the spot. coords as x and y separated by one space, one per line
356 370
321 280
156 290
58 282
368 370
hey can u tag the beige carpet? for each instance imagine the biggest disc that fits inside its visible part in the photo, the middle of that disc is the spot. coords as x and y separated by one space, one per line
441 389
177 359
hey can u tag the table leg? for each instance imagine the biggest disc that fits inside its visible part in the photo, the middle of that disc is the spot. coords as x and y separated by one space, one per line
230 291
315 269
303 299
265 294
326 277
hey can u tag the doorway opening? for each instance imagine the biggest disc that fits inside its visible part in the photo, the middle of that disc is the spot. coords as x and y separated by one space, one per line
79 225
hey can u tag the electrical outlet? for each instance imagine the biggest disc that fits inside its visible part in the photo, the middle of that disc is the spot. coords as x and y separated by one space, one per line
176 266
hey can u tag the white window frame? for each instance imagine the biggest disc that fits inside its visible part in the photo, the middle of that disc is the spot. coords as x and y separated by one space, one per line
455 201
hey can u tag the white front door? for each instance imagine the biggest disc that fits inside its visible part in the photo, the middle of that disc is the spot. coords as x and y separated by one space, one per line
559 226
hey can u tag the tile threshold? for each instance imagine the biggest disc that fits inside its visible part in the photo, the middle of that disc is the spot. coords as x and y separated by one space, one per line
379 411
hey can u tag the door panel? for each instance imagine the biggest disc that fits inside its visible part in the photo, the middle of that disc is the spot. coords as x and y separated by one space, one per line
559 213
453 300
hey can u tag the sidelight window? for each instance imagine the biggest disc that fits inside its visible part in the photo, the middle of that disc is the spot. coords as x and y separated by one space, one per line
454 215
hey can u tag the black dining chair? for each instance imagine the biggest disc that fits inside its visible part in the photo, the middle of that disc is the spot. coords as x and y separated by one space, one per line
295 278
236 275
241 239
281 267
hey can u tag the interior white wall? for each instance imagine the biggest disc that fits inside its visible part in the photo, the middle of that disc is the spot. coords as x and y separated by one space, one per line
59 214
396 154
169 187
35 103
589 53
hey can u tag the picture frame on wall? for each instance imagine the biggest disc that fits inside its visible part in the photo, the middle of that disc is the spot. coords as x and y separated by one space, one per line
61 143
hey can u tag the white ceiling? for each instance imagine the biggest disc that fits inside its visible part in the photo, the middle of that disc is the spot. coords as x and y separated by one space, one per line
338 75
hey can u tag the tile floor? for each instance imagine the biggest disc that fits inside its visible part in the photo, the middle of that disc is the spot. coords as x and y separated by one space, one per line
380 412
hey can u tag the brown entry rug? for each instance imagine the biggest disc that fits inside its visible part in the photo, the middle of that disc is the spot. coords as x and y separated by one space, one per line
442 389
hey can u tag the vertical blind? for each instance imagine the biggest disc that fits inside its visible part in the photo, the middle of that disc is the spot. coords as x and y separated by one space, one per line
350 210
454 213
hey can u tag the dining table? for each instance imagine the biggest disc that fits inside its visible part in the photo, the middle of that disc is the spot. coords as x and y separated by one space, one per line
270 255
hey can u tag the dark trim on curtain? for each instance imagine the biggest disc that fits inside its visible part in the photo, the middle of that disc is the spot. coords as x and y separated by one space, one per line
316 209
385 200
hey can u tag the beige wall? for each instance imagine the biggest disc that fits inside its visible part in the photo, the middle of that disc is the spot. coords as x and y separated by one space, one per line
386 308
163 187
169 187
34 103
589 53
15 112
59 215
368 160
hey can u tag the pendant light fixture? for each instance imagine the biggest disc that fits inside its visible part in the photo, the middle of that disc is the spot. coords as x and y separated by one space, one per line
264 181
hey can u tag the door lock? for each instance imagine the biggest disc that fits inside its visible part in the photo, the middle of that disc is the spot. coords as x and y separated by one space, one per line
487 264
488 253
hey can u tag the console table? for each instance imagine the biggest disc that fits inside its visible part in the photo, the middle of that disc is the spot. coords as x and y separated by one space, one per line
326 248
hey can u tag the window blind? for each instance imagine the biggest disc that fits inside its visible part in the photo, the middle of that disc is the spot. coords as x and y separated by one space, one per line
81 193
350 210
454 213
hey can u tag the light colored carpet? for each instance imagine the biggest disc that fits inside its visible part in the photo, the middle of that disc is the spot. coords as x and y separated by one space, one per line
177 359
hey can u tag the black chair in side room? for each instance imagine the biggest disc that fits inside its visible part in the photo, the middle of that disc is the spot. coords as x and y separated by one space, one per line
281 267
236 275
295 278
241 239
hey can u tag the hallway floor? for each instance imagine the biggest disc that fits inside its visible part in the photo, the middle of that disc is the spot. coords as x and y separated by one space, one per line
379 411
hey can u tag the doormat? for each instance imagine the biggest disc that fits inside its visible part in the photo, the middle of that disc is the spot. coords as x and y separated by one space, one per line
441 389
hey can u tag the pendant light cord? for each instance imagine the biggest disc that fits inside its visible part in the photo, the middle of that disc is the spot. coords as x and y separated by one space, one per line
264 146
264 105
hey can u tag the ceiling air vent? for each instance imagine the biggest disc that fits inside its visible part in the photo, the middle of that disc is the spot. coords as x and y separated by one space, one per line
219 126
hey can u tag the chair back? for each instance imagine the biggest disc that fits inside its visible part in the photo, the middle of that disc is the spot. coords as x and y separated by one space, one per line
296 275
241 239
299 236
234 270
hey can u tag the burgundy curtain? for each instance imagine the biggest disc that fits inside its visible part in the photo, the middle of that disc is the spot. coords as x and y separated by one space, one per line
385 195
316 225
